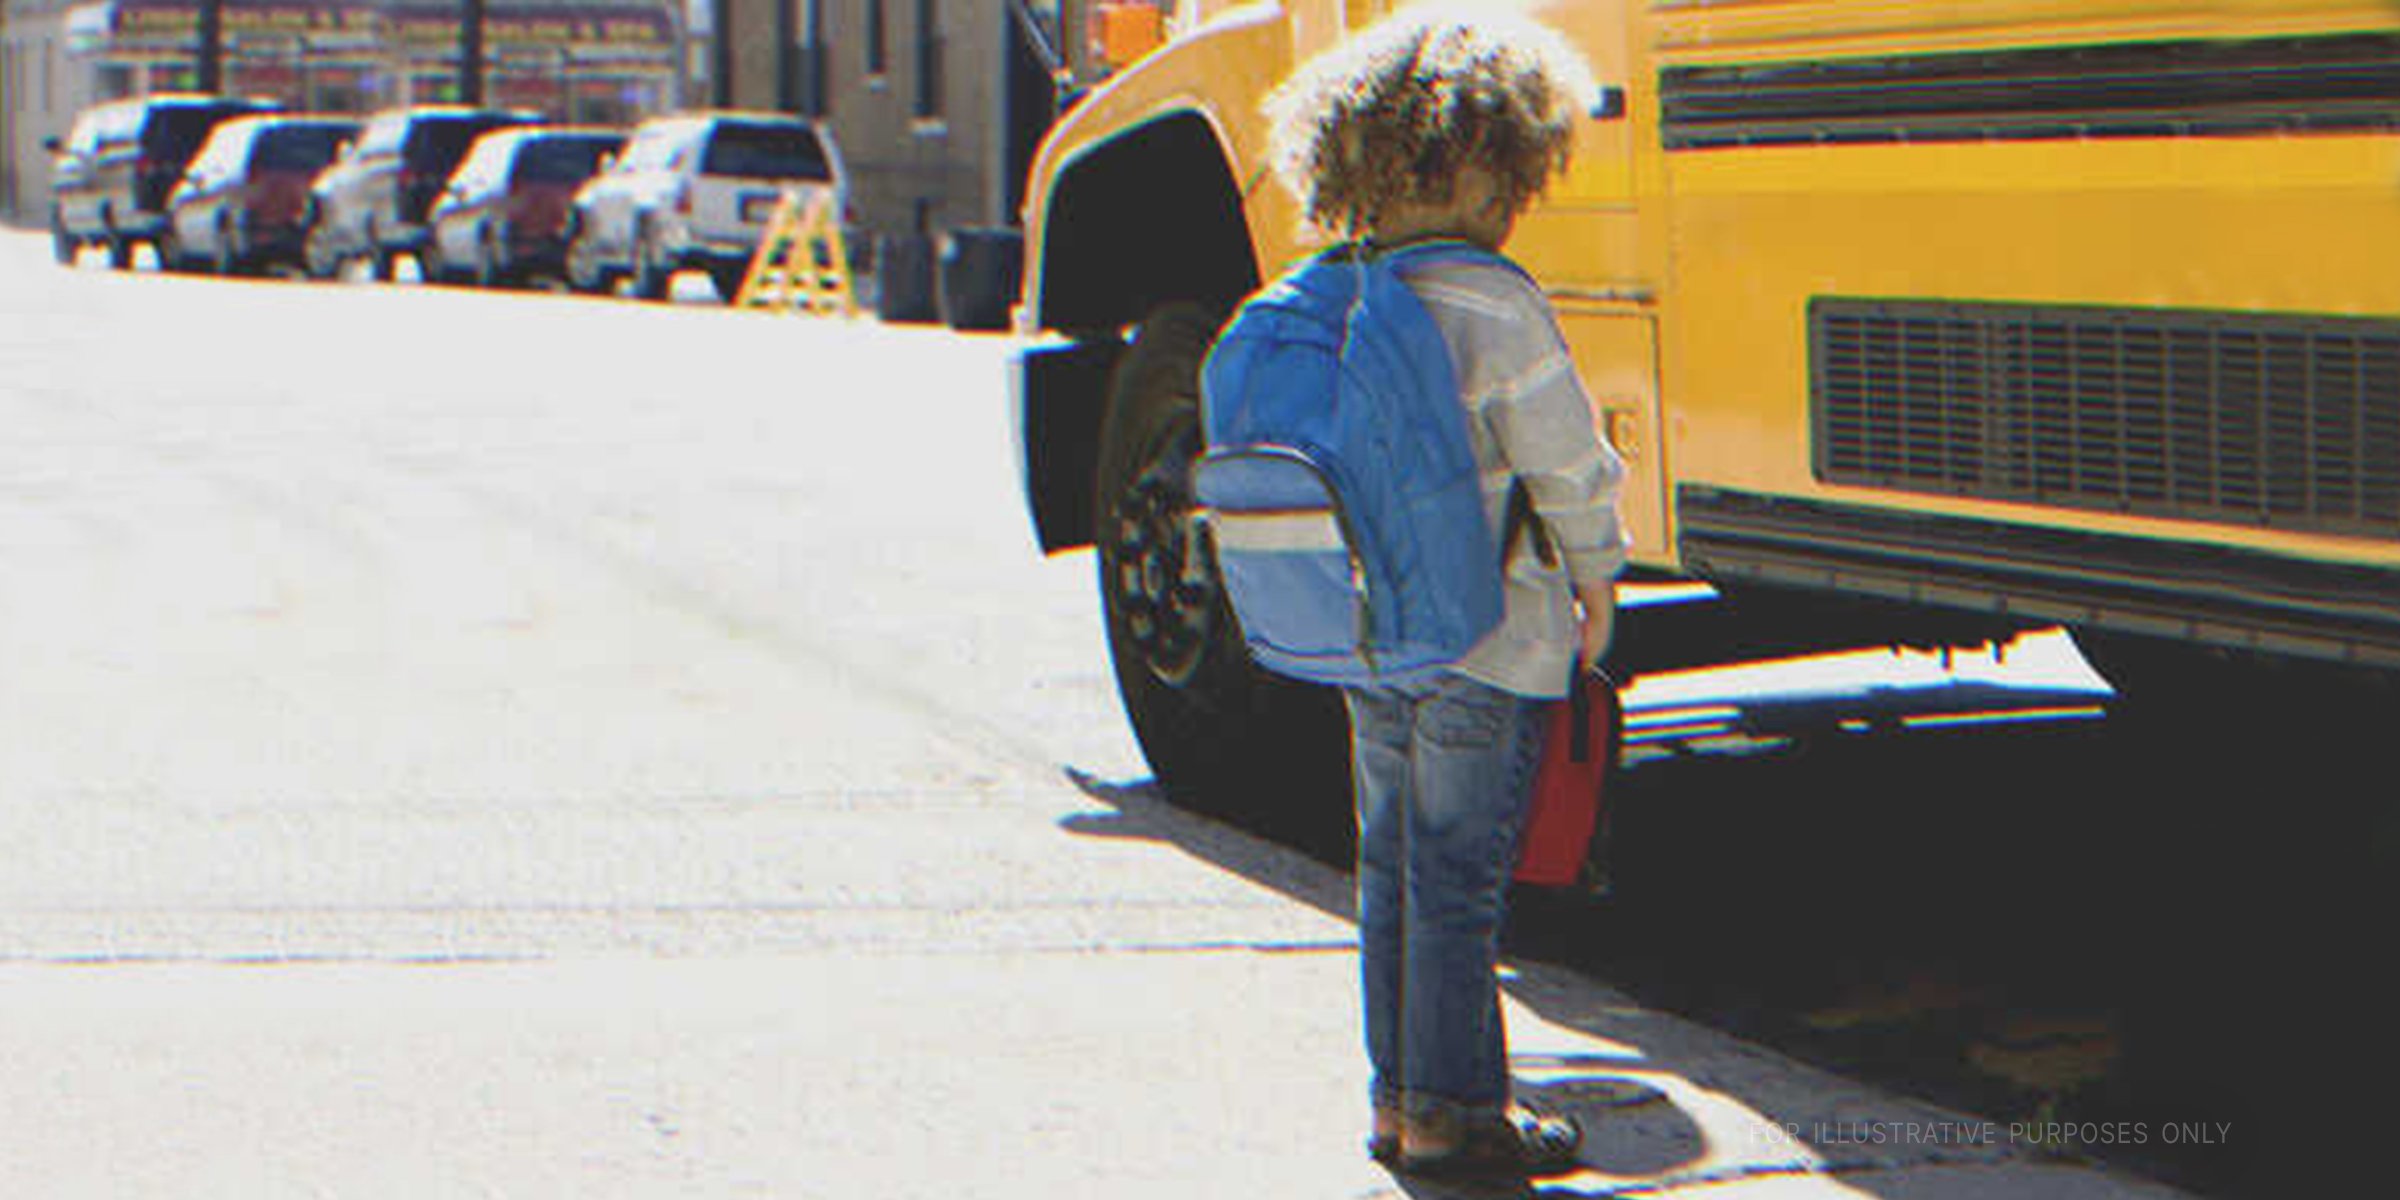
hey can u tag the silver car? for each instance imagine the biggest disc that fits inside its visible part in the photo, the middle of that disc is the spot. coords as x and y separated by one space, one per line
503 216
694 191
371 203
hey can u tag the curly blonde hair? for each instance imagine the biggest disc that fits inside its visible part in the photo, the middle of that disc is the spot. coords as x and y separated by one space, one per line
1390 117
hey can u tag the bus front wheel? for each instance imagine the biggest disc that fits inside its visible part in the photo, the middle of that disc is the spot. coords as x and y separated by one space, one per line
1222 735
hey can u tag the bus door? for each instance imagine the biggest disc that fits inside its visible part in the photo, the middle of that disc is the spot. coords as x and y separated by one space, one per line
1602 260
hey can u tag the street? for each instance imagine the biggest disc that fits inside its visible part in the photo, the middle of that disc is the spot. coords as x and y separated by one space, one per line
459 744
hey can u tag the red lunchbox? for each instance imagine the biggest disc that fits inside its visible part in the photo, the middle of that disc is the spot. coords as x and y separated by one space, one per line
1586 733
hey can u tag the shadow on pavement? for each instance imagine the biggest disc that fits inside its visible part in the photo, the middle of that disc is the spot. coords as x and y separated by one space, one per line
2156 921
1140 811
1650 1118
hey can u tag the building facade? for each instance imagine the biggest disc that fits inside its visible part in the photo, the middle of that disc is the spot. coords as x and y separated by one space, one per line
41 93
591 61
938 104
913 89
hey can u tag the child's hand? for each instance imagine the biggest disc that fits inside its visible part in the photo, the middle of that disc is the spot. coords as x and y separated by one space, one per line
1599 622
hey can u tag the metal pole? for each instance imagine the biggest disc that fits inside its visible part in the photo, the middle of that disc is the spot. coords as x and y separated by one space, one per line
470 54
787 57
683 57
720 67
815 60
211 64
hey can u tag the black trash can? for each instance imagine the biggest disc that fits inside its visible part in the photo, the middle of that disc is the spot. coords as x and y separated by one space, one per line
904 279
981 272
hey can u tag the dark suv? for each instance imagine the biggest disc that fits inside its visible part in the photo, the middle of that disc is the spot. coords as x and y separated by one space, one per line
120 162
371 203
239 207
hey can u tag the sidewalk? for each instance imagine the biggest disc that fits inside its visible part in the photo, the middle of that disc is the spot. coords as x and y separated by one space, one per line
1059 1060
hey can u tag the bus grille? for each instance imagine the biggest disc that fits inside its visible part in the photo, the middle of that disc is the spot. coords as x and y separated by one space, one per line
2234 418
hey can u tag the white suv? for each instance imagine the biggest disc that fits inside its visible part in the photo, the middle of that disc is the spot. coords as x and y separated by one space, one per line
694 191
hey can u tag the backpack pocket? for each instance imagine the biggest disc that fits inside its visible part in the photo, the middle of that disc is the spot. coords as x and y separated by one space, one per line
1284 549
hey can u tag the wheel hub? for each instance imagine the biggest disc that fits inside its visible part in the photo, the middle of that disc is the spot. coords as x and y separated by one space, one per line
1164 579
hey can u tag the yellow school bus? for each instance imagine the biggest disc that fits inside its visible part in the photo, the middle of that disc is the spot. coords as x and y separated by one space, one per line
1958 314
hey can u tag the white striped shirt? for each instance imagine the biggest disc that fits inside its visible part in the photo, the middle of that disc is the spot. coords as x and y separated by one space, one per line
1532 421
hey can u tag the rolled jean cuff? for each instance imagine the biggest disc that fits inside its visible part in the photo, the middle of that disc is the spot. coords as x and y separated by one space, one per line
1423 1106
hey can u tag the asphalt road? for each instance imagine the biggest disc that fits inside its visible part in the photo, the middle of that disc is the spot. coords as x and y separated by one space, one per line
332 613
460 744
509 744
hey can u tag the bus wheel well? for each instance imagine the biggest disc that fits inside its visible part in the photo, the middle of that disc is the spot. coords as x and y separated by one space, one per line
1151 218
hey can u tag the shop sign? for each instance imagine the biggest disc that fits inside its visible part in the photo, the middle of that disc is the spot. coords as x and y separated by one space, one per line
541 26
138 19
133 25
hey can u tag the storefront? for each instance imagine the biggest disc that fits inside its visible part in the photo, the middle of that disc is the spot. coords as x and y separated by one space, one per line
322 56
604 62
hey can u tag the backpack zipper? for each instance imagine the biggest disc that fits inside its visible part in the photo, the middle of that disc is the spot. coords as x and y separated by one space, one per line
1363 615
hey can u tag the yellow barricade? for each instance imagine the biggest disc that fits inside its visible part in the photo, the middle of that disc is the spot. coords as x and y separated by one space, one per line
801 264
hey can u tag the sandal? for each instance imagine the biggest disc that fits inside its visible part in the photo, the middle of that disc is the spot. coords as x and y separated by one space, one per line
1384 1144
1511 1145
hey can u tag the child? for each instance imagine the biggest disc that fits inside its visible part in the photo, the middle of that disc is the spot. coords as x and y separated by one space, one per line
1447 123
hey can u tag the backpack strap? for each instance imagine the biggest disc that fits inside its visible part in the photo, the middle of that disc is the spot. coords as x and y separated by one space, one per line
1522 521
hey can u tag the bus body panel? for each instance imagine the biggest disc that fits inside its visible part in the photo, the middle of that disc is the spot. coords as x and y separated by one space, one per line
2109 217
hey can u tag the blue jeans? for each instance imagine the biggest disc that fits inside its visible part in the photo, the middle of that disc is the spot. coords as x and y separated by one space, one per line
1442 772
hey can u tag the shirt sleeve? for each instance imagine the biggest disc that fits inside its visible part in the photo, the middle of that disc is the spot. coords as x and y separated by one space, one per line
1542 421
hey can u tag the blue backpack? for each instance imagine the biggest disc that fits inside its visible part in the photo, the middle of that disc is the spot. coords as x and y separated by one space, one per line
1339 479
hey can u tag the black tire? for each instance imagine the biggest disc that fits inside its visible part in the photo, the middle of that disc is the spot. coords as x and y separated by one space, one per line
729 281
492 269
63 245
320 257
120 252
379 257
580 265
169 247
652 280
583 275
1222 735
231 260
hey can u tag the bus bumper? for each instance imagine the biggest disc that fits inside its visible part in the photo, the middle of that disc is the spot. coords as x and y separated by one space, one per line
1058 396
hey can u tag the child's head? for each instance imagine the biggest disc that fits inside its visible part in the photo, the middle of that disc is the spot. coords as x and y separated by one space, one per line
1442 108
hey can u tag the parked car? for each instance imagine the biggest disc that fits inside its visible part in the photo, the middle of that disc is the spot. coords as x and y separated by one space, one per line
503 216
243 203
118 164
694 191
372 202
